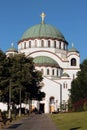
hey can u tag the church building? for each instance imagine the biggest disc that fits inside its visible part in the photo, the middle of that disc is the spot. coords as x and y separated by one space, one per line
59 65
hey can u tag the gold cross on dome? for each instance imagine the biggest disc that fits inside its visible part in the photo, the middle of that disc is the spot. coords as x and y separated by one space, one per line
43 16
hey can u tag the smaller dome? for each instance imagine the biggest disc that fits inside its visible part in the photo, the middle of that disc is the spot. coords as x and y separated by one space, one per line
45 61
12 49
73 49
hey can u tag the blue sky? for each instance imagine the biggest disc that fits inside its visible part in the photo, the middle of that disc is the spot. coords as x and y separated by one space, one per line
69 16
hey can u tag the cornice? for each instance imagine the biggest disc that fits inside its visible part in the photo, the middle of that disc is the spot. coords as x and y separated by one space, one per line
73 54
39 38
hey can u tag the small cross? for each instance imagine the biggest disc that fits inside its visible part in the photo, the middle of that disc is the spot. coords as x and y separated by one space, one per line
72 44
43 16
12 44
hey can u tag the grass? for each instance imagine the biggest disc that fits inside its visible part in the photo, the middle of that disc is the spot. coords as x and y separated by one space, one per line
71 121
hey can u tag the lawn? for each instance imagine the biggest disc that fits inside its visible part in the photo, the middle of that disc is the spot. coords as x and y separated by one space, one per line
71 121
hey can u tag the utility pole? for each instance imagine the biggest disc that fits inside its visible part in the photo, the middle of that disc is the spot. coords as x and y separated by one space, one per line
20 102
9 111
60 97
28 94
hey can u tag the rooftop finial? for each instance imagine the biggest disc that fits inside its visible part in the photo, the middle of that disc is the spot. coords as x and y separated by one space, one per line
43 16
72 44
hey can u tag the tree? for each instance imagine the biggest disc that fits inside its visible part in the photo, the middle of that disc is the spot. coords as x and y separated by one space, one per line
3 74
20 72
79 85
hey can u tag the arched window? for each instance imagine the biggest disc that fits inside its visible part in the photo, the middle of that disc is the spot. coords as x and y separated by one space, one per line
65 85
53 72
73 62
47 71
42 43
48 43
30 44
59 44
54 44
64 46
24 45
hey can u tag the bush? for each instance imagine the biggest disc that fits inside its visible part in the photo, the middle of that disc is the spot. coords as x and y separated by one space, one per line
81 105
85 106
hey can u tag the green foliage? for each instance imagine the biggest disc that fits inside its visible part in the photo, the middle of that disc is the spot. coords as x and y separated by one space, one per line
79 85
85 106
18 72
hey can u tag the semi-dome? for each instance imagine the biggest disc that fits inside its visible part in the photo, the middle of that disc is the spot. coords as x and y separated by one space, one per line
45 61
43 31
65 75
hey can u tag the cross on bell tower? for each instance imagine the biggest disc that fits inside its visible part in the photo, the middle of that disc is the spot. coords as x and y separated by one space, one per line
12 44
43 16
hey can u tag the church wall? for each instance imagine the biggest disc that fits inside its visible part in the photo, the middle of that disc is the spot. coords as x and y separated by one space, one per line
51 89
66 85
77 60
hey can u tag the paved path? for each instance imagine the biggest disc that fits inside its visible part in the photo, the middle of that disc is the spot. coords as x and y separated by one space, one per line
34 122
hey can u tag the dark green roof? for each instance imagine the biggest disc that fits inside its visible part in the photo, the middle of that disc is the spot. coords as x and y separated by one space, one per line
42 30
65 75
45 61
73 49
12 49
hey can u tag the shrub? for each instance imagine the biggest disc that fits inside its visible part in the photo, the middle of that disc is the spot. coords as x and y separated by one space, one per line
81 105
85 106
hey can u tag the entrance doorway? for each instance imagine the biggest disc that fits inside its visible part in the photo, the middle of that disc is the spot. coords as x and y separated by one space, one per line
42 107
52 106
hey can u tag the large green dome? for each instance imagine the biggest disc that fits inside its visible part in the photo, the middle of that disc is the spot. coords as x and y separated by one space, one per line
42 31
